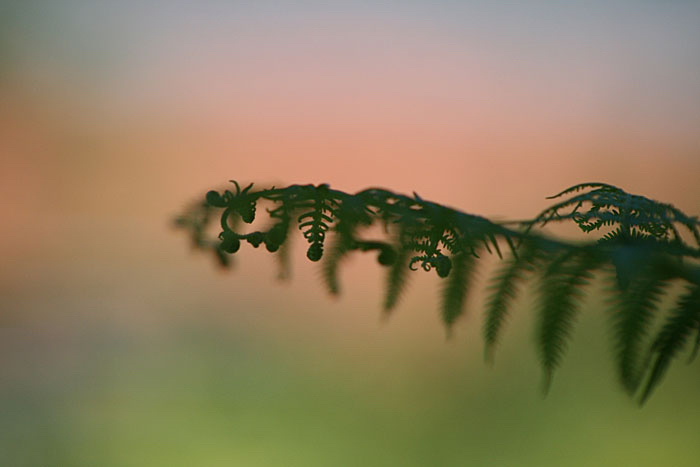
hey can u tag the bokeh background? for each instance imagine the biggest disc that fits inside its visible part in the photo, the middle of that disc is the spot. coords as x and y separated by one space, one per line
119 346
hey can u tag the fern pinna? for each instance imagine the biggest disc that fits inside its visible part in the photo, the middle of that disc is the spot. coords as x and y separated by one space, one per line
640 248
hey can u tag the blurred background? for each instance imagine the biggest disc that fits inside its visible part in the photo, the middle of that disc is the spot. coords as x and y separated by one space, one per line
119 346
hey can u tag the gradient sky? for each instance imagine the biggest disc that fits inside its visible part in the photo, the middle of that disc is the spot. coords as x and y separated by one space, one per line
419 93
120 112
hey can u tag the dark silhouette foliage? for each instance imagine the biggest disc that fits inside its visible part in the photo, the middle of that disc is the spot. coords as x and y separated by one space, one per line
640 252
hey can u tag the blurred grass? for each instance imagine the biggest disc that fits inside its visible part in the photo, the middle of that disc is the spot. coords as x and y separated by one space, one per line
199 393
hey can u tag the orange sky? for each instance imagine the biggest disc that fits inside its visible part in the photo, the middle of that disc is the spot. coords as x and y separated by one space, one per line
115 116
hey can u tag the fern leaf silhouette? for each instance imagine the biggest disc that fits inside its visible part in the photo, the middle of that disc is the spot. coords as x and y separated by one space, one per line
456 286
682 322
640 240
503 290
633 311
343 244
561 293
397 276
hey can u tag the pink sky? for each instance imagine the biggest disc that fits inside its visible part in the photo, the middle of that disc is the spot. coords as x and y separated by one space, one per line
115 116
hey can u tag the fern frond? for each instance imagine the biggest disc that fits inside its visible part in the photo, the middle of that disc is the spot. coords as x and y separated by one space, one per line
582 186
561 292
683 321
640 239
632 214
503 290
342 245
397 275
632 316
456 287
315 223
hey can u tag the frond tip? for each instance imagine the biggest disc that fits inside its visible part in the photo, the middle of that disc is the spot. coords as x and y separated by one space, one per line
396 276
633 313
683 321
456 287
503 290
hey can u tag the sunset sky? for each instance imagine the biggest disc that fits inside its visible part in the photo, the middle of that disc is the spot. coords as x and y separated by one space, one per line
448 98
115 115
